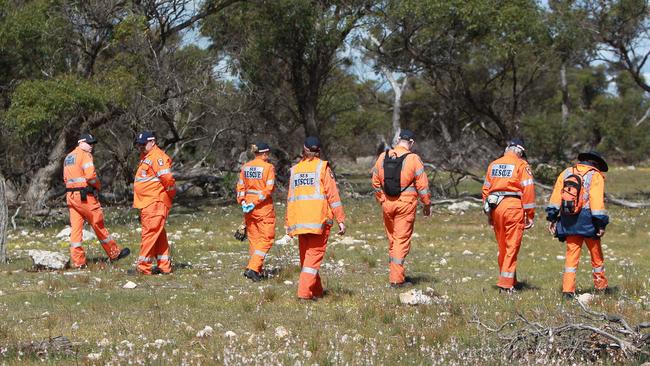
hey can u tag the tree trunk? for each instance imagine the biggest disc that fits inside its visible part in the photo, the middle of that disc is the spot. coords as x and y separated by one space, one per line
40 184
4 220
565 94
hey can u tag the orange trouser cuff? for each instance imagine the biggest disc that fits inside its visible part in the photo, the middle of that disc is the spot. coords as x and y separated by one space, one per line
312 250
399 219
573 249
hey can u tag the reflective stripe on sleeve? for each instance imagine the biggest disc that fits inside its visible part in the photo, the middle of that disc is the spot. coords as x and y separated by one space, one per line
260 253
171 188
270 182
75 245
148 179
146 161
240 182
377 189
310 270
570 269
598 269
419 172
374 170
487 184
527 182
529 205
92 181
423 192
552 205
410 189
508 274
240 194
87 165
336 204
163 172
396 260
599 212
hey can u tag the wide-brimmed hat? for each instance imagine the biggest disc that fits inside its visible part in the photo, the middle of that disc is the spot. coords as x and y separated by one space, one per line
595 157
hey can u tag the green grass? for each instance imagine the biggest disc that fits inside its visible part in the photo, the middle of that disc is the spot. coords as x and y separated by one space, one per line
359 321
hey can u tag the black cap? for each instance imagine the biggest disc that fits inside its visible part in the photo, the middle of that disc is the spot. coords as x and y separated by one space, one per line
596 158
518 142
312 144
261 147
144 137
87 138
406 135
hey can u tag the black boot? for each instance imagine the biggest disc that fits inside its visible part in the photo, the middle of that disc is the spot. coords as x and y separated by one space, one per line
252 275
123 253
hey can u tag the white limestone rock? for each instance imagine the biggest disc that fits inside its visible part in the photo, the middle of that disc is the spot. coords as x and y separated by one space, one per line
44 259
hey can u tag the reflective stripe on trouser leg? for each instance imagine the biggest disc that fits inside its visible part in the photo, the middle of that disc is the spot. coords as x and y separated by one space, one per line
77 253
508 219
312 250
399 218
154 237
261 234
573 248
597 263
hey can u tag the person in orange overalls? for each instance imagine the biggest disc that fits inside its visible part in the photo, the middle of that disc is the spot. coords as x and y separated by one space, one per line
313 202
509 201
82 185
153 191
399 210
254 189
587 225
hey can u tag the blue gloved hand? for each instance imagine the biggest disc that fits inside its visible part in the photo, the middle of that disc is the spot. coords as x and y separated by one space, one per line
247 207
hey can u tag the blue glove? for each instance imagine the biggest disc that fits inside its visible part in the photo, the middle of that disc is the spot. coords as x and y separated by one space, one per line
247 207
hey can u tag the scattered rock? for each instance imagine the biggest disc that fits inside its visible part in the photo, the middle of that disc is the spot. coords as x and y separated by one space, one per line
49 347
44 259
467 252
461 206
130 285
104 343
288 282
348 240
443 262
94 356
207 331
585 298
465 279
65 234
559 257
631 167
281 332
414 297
230 334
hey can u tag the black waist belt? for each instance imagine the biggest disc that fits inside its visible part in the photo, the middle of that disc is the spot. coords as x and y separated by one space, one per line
80 189
506 194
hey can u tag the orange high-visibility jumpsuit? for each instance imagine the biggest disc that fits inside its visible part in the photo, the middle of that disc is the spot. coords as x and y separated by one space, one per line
510 176
582 227
399 212
256 184
153 191
79 173
313 201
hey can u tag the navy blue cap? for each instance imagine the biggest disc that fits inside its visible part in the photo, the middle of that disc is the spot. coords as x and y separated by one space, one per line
596 158
518 142
87 138
144 137
406 135
312 144
261 147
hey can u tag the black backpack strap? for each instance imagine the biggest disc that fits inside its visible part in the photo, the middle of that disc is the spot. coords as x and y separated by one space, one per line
413 181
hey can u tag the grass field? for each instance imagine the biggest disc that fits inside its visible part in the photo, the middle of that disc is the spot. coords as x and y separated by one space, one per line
359 321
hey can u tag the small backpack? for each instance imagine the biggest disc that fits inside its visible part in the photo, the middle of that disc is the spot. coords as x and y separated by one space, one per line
573 198
392 174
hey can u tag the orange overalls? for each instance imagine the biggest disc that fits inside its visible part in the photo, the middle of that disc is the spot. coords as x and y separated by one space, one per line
583 226
510 177
256 184
153 191
79 173
313 201
399 212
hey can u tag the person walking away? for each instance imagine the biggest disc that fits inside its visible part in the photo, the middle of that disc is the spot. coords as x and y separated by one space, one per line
312 203
577 215
398 179
82 186
254 193
509 201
